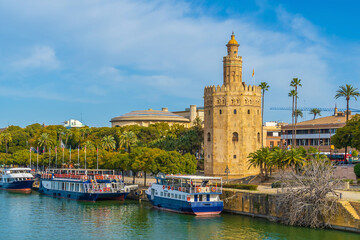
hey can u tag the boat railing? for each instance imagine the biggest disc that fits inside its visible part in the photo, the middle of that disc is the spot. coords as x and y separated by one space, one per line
103 187
194 189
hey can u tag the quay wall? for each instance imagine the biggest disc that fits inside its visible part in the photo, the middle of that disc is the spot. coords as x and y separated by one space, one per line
263 205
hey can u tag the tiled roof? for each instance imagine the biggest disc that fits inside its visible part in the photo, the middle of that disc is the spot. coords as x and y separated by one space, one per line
333 120
150 115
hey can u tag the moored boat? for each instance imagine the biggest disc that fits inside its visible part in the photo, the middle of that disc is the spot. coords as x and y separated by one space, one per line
84 187
16 179
187 194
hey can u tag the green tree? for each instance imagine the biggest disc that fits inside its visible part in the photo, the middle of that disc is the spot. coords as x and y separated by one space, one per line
315 111
264 87
279 158
347 91
5 138
295 158
108 142
127 140
262 159
67 133
298 113
44 140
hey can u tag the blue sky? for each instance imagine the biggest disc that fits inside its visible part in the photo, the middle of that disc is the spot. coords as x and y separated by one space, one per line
94 60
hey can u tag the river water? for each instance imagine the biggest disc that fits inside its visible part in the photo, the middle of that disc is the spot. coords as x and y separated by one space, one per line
34 216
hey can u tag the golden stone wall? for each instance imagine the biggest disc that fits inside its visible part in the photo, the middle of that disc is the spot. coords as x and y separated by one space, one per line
232 116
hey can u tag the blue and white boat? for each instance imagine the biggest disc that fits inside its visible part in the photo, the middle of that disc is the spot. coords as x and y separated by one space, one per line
17 179
187 194
84 187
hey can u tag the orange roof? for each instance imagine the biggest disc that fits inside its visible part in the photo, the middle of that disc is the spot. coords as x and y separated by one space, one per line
330 120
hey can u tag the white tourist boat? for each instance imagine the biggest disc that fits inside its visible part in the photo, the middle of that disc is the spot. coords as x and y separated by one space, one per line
16 179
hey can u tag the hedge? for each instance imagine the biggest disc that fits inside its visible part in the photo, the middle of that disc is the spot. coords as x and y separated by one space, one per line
357 170
241 186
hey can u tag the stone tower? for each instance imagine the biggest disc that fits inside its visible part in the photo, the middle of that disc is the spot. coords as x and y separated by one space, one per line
232 115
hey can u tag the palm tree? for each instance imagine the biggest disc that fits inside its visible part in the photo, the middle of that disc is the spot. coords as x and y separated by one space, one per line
279 158
44 140
89 145
262 159
264 87
295 158
292 94
108 142
127 139
59 133
6 138
347 91
67 133
315 111
295 83
298 113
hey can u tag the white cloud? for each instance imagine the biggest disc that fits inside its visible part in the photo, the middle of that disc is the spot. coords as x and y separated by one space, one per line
173 49
40 57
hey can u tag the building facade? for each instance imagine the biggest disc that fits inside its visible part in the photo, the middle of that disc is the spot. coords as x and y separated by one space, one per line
146 117
192 113
272 134
315 133
232 120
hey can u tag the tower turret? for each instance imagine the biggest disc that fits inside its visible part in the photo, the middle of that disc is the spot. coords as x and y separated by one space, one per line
232 63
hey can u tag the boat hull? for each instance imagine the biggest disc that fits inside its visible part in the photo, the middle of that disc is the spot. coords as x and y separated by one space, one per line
82 196
181 206
18 186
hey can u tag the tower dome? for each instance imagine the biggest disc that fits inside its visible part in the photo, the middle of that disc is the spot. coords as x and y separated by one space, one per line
232 40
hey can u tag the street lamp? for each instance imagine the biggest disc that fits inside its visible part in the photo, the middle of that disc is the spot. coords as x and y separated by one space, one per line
227 171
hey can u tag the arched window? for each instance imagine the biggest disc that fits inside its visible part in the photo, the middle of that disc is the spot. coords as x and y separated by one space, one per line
235 137
220 111
258 137
234 111
248 111
209 137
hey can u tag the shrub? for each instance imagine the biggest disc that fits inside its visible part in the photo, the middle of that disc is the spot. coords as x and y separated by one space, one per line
355 153
241 186
351 181
357 170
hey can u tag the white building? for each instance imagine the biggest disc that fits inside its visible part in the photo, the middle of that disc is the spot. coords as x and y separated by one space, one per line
72 123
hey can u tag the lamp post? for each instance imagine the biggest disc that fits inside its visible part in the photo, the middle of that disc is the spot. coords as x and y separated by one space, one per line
227 171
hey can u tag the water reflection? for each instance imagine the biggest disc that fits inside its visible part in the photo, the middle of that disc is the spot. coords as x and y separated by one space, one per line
41 217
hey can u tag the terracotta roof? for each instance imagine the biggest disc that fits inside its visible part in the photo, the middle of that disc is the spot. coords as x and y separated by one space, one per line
150 115
333 120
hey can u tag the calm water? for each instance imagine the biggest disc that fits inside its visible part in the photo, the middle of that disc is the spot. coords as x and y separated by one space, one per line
36 216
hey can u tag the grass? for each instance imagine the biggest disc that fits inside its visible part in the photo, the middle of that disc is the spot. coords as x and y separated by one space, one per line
241 186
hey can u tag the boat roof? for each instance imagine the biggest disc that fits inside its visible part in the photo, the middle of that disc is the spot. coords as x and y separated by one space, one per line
192 177
28 169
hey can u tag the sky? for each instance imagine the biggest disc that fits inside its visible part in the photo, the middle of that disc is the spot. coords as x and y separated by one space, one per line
97 59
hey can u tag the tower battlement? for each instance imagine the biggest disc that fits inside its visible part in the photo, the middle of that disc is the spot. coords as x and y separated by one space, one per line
243 88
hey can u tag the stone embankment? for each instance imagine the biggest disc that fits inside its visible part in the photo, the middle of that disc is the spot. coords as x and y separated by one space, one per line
263 205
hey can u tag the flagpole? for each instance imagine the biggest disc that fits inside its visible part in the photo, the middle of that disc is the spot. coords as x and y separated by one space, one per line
49 157
30 157
70 156
55 157
97 158
62 166
37 158
85 158
78 157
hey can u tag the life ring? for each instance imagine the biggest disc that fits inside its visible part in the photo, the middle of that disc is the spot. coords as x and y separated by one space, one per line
198 189
85 177
168 187
163 186
213 189
179 189
172 188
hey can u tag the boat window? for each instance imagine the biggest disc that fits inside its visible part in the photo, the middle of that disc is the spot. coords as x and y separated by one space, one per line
161 194
168 194
172 195
179 196
200 198
195 198
208 197
175 195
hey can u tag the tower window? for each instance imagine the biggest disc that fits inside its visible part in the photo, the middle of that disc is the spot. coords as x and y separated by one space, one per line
220 111
258 137
209 137
248 111
235 137
234 111
234 156
235 52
